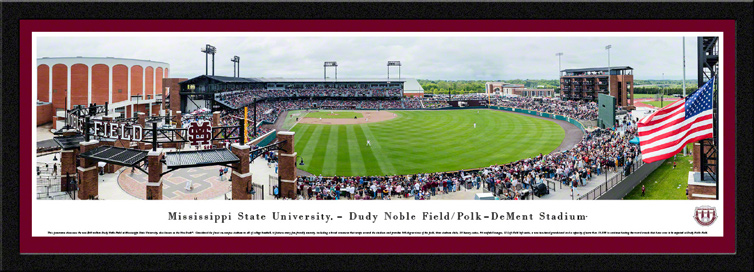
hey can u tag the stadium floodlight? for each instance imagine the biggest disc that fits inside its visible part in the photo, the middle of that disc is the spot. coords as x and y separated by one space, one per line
236 62
209 49
393 63
559 69
331 64
609 81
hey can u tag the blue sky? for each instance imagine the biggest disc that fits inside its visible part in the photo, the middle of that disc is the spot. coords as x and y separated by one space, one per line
449 58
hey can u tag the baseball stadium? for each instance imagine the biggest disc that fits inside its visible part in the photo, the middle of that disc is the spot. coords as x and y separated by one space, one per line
247 138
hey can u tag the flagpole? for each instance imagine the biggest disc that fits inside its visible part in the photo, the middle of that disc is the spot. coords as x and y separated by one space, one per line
684 80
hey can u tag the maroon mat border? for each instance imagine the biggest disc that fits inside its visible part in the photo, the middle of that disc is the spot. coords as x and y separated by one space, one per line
725 244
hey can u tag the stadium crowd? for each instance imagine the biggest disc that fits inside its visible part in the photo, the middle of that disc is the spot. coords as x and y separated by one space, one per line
238 98
243 97
575 109
412 103
599 151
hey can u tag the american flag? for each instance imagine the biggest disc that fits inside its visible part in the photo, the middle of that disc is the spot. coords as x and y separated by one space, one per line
665 132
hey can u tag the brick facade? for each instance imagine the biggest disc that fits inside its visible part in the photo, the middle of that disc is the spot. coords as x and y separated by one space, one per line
59 86
704 190
100 84
287 164
44 114
697 156
67 166
87 170
43 83
697 153
137 80
120 85
79 93
154 168
240 177
170 87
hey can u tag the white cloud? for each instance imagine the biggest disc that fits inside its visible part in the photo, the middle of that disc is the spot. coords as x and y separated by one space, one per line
482 58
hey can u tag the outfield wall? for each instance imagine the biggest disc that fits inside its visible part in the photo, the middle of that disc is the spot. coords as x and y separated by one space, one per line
543 114
269 139
445 108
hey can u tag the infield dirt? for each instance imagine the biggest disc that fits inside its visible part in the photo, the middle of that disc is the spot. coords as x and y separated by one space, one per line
369 117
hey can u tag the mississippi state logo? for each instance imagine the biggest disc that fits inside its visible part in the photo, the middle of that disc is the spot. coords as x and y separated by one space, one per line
199 133
705 215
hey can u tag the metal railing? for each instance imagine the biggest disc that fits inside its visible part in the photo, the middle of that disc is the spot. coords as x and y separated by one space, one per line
61 197
611 182
44 191
257 192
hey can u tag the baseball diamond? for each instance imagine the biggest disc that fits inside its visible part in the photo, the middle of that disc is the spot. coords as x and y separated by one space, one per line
334 114
424 141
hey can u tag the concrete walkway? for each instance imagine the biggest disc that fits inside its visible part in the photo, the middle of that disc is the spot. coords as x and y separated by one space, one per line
260 174
109 189
563 192
43 132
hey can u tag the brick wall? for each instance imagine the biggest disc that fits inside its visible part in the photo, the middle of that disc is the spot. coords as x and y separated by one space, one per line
241 178
287 164
174 88
87 170
155 110
154 168
44 114
67 166
697 152
704 190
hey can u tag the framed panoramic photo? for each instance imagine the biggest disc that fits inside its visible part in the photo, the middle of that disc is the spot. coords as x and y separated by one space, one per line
378 131
168 134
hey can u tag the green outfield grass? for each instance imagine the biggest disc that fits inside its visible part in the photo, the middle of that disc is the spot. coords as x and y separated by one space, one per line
424 141
291 120
657 103
665 183
335 115
637 96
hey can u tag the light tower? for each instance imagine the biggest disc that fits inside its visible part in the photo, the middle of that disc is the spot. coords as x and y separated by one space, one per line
393 63
609 72
559 69
331 64
236 62
209 49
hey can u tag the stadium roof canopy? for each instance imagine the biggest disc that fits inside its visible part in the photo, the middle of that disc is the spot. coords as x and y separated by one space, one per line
329 80
194 158
410 85
116 155
95 58
594 69
69 142
224 79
